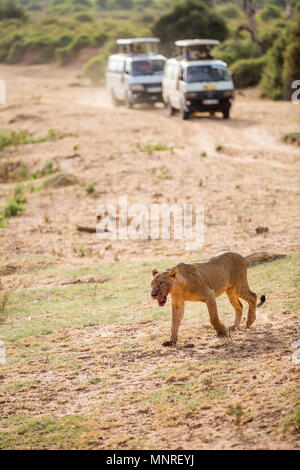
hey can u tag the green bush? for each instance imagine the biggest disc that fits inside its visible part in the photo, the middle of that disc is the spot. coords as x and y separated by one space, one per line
248 72
268 34
230 11
63 7
270 12
282 64
94 69
235 49
291 68
10 9
84 18
187 19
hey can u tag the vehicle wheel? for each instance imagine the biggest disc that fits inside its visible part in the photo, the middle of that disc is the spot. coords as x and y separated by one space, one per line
128 101
114 100
184 114
226 113
170 109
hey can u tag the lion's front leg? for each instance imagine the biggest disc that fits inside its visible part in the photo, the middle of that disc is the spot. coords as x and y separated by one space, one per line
177 315
213 315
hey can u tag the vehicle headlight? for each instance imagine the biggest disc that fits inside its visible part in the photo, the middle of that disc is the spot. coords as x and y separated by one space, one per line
137 87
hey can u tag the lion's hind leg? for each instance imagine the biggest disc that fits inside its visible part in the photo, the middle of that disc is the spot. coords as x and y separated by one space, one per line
237 305
246 294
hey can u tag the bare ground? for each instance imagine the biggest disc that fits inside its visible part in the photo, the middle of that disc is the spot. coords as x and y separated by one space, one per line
145 396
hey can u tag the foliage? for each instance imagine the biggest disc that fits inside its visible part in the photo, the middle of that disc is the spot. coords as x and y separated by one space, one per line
230 11
291 68
186 19
270 12
282 63
11 9
232 50
247 72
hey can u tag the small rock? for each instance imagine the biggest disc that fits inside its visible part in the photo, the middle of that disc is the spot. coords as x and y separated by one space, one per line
261 229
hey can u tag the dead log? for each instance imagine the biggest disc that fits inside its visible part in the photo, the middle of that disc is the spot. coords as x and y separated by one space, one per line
90 229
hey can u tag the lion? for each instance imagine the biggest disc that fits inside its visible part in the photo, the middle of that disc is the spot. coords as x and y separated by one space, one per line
203 282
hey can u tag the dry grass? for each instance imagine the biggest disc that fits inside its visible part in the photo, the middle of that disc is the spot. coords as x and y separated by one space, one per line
85 366
80 351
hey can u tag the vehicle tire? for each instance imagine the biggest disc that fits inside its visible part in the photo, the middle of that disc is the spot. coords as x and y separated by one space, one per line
128 101
226 113
114 100
170 109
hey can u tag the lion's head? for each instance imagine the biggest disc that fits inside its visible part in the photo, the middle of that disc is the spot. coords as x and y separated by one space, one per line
161 284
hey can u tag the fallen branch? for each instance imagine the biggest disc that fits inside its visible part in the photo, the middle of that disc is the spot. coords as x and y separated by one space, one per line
91 229
90 280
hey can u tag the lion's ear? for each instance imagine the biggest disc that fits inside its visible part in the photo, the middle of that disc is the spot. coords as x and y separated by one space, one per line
173 273
154 272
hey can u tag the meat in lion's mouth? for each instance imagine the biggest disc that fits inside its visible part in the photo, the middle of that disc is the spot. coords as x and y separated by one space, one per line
161 301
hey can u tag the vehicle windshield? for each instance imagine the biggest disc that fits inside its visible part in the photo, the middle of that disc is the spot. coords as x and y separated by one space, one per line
147 67
206 73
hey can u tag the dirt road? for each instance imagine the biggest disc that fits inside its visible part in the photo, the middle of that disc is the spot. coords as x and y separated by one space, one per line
252 180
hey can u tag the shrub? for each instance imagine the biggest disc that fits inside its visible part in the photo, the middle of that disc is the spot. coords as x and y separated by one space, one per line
94 69
248 72
235 49
10 9
84 18
186 19
13 208
268 34
271 83
230 11
270 12
291 68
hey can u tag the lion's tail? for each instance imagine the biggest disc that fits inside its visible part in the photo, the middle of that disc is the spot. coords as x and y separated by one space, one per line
255 257
261 257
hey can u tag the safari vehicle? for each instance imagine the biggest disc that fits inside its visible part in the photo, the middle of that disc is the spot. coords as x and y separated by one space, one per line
195 82
134 74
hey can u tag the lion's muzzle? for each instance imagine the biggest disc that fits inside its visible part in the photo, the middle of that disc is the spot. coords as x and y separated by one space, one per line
160 299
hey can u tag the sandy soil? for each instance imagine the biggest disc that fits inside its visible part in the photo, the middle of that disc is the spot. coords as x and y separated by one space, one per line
253 180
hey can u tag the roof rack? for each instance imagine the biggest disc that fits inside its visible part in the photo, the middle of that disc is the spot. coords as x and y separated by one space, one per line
203 48
196 42
126 45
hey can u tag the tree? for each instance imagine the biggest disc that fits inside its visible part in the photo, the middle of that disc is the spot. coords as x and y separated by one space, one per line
283 62
190 19
250 13
291 65
10 9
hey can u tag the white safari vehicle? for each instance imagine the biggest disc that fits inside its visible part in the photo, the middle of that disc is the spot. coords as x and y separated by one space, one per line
194 82
134 74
